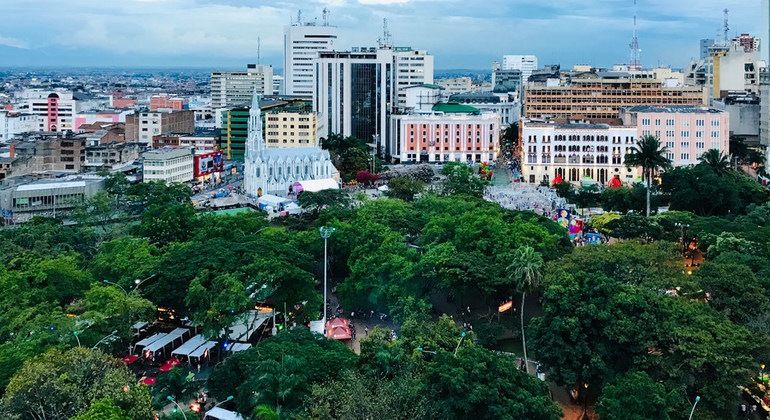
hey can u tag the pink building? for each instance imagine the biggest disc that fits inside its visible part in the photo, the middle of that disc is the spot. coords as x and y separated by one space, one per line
451 133
686 132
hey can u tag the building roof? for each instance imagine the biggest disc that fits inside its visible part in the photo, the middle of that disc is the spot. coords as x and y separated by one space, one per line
167 152
477 97
582 126
424 85
673 109
455 108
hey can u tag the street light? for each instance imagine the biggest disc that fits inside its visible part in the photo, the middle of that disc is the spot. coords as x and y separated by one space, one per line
103 338
684 227
222 402
326 232
693 406
585 402
462 336
76 338
420 349
139 282
177 405
117 285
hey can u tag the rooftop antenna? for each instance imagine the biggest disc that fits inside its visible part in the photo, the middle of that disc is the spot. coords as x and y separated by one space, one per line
387 38
726 28
635 63
259 50
299 17
326 17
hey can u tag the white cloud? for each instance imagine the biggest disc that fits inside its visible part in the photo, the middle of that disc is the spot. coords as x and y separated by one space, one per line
13 42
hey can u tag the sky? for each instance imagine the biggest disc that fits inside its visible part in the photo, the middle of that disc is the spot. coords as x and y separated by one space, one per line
460 34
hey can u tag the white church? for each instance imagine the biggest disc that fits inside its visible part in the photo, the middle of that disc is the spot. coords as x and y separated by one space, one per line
275 170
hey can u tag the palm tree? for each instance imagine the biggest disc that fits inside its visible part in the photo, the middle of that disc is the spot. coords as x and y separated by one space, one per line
526 271
651 156
716 161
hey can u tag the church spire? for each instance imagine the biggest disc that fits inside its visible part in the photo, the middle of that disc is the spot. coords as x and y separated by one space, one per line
255 141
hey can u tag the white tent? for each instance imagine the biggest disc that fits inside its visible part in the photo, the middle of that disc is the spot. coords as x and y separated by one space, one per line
218 413
202 349
247 324
317 326
273 200
149 340
168 339
316 185
188 347
236 347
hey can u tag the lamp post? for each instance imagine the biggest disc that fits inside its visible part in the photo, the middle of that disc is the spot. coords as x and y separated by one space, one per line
117 285
684 227
170 398
693 406
222 402
103 338
139 282
75 333
585 402
462 336
326 232
420 349
762 373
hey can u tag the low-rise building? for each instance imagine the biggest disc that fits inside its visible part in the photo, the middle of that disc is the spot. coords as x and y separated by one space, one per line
143 125
168 164
29 197
502 104
14 123
106 156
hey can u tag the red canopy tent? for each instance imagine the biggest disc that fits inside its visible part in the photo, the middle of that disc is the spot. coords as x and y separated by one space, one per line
337 322
558 180
148 381
169 364
339 333
615 182
129 359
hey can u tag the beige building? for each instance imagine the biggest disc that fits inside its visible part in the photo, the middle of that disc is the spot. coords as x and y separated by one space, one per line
290 129
598 97
168 164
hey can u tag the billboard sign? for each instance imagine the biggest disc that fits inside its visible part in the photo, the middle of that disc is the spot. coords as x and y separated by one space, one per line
209 163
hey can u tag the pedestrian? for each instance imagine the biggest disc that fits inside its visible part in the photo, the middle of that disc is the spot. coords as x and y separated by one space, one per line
366 331
199 367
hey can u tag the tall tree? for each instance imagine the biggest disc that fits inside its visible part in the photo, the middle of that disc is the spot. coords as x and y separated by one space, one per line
716 161
526 272
651 157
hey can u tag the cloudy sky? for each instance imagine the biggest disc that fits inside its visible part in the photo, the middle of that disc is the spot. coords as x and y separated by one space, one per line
466 34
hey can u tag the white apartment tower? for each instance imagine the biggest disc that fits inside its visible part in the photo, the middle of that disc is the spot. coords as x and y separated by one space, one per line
235 88
413 68
526 63
301 45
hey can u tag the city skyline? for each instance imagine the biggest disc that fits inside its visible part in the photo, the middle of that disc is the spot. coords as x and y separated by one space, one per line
223 34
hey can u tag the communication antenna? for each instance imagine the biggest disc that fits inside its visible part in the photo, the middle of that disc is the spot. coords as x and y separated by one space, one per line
387 38
635 63
299 17
726 28
326 16
259 50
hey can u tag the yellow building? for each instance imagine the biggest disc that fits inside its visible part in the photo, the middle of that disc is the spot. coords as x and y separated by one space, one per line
290 129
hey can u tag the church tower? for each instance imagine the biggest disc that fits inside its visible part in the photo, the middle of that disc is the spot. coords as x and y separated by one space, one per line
255 145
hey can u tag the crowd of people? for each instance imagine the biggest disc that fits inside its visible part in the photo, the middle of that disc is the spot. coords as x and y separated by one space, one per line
517 196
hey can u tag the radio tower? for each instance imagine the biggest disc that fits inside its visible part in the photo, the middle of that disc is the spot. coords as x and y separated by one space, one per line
726 28
635 63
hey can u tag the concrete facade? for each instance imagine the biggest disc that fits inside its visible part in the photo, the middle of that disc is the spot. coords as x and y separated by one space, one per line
143 125
168 164
234 88
301 45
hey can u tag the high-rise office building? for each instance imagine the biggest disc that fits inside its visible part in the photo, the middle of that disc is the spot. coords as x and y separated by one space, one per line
235 88
354 92
705 44
526 63
301 45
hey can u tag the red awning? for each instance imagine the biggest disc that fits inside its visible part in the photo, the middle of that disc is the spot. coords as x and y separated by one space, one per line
339 333
337 322
129 359
169 364
148 381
